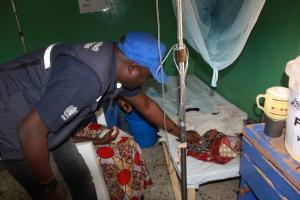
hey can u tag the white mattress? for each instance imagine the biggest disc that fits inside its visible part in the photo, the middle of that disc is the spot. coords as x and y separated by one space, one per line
215 112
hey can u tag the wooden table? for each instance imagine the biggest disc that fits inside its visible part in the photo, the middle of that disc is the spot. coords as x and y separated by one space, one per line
267 170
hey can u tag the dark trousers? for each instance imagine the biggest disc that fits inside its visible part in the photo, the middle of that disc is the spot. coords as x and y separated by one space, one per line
71 166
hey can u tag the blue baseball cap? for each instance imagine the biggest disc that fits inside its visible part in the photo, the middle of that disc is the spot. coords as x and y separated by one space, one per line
142 49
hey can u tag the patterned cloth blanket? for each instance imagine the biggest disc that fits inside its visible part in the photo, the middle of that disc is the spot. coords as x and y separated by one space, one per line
122 163
216 147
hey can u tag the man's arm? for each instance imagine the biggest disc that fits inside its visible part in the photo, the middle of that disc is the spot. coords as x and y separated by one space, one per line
34 143
33 138
152 112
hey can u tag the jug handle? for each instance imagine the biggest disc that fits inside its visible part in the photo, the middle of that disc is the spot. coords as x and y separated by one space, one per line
257 100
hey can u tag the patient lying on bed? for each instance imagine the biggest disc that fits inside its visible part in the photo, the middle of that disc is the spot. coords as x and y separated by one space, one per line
121 160
216 147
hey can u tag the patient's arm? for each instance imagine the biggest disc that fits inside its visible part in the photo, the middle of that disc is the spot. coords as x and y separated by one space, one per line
109 136
124 105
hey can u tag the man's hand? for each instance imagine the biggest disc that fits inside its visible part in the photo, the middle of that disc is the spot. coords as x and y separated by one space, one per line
58 194
124 105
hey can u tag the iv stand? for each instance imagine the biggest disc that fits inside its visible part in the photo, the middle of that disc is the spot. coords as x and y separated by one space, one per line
19 26
180 59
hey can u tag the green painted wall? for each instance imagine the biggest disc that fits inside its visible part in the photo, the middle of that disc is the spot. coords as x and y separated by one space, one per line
273 42
10 44
47 22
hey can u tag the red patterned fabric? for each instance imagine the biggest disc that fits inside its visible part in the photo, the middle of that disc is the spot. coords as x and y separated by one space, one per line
216 147
105 152
122 163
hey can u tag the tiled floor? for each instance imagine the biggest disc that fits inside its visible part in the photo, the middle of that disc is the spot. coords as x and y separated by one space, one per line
161 190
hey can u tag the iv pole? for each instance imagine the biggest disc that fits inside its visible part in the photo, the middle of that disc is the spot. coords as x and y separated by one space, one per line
180 59
19 26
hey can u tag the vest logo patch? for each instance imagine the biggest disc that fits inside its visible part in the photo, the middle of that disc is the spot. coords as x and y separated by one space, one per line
70 111
94 46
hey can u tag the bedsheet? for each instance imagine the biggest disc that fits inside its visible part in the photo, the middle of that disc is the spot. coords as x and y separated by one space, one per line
215 112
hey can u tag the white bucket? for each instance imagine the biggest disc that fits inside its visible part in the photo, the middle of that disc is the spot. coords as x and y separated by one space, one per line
292 137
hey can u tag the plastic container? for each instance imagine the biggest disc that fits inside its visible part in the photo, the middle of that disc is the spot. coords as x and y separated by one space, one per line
143 132
292 137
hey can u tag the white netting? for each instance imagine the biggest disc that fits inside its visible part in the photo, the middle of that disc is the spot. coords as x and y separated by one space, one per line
219 29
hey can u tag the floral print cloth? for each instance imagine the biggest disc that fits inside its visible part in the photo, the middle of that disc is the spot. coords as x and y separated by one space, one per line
122 163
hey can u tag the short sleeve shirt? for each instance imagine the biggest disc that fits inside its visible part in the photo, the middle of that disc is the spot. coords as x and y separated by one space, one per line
125 92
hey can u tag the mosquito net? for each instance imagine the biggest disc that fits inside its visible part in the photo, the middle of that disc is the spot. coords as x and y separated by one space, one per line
218 29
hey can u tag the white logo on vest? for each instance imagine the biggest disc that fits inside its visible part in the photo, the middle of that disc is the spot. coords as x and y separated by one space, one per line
71 110
94 46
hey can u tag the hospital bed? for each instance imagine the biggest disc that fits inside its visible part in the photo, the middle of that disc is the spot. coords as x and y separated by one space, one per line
215 113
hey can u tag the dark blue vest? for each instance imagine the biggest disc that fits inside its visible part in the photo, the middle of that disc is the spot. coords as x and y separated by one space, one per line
23 82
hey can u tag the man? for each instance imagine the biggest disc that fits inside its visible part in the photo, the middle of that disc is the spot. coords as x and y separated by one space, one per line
45 95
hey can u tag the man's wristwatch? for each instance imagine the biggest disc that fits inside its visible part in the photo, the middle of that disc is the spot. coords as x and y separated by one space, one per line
49 186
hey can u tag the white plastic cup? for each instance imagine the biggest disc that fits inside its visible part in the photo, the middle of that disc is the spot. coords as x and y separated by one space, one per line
292 137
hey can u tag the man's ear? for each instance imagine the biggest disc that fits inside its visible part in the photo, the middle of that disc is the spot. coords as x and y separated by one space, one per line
132 68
